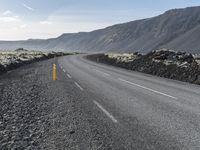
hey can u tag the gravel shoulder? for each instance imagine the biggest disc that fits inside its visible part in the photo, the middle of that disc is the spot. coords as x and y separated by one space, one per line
37 113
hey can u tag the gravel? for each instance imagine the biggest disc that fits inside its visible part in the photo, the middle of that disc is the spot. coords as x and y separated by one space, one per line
38 113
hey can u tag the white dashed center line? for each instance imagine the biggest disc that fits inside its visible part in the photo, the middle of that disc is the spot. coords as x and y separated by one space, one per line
78 86
103 73
106 112
69 76
146 88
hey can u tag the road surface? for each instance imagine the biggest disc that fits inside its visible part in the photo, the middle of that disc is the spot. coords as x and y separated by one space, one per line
139 111
93 106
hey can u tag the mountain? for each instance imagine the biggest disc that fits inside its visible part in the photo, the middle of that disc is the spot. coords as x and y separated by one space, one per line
176 29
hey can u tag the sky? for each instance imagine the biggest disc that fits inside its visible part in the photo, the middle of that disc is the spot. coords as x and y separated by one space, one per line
36 19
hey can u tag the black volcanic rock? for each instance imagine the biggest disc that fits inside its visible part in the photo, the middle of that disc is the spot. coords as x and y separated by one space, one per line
176 29
164 63
14 59
2 69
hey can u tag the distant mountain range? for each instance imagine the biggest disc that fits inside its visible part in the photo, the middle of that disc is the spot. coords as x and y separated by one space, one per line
175 29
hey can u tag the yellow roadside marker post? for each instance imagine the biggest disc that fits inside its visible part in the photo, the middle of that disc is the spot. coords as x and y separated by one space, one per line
54 72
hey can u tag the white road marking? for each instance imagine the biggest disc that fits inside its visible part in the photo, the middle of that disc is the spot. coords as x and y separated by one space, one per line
103 73
78 86
106 74
69 76
106 112
146 88
9 71
64 70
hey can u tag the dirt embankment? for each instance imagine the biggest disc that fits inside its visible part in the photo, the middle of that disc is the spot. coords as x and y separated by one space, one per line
163 63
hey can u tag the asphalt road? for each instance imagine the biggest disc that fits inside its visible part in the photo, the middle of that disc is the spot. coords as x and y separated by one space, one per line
93 106
134 110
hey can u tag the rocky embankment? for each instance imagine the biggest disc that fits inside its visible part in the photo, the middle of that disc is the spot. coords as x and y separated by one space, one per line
13 59
163 63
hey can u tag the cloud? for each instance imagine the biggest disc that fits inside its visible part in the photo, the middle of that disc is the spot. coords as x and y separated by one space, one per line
45 22
7 12
23 26
28 7
9 19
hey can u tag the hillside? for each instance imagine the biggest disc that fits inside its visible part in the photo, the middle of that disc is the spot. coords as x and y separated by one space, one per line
176 29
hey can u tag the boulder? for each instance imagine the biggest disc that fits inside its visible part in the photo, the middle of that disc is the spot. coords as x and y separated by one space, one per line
2 69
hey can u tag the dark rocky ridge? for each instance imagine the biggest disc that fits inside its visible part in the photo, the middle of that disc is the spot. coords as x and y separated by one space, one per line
177 29
163 63
14 59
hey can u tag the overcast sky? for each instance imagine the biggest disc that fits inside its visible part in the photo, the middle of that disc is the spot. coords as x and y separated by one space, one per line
24 19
